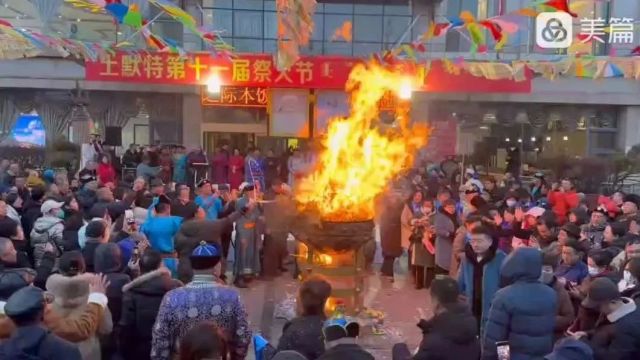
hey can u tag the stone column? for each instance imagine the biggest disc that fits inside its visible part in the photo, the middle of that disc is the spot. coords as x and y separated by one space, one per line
192 117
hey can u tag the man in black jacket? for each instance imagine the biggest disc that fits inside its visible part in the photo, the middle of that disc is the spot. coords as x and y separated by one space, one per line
31 210
452 333
18 261
623 313
140 304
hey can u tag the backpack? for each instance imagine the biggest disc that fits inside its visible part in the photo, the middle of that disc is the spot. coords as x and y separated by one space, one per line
31 353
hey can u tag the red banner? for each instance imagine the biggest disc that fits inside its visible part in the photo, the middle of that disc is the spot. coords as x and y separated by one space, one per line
258 70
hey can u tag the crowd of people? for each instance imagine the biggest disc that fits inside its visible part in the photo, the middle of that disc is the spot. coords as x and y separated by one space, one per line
533 266
101 265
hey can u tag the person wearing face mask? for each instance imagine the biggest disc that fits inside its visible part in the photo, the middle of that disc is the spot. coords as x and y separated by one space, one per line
565 314
629 285
48 229
619 323
598 264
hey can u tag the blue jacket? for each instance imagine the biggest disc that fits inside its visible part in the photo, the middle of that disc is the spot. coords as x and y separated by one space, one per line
211 205
490 277
40 343
160 231
523 313
574 274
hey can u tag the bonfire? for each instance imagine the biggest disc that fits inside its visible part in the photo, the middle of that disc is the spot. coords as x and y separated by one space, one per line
360 156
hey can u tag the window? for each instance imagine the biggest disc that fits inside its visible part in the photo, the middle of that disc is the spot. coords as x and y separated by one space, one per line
252 25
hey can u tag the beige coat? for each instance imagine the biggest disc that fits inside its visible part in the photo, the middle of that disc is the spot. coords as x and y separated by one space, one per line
71 302
405 230
457 251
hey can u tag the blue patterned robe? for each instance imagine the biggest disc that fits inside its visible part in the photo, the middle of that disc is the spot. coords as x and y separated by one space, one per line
203 299
247 242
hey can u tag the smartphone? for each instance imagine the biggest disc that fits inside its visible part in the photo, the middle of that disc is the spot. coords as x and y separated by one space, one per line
504 352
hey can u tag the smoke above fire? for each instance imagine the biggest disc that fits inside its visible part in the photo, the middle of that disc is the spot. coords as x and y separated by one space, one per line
361 155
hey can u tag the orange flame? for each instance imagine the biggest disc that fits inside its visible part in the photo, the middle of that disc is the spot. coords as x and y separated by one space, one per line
360 155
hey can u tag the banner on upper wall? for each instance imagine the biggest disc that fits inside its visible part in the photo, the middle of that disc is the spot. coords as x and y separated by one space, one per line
259 70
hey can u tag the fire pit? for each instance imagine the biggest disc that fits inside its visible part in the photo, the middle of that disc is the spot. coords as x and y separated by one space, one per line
338 252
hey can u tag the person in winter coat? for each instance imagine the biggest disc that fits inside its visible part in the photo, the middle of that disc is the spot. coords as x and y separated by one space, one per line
566 313
629 285
106 173
522 313
445 223
416 221
562 199
479 276
570 349
572 270
108 262
304 333
72 223
31 210
26 308
97 232
194 230
75 299
48 229
390 205
459 243
623 313
140 303
452 333
18 261
598 263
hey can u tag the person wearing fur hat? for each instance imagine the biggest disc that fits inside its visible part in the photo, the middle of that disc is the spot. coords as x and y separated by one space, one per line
594 230
140 303
77 300
630 206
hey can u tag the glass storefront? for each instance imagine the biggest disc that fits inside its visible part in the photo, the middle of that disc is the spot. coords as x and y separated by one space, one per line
538 130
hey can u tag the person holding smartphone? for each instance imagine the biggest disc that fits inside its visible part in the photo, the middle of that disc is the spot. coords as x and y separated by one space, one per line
522 313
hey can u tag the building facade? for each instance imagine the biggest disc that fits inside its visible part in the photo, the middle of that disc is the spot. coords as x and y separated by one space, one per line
599 117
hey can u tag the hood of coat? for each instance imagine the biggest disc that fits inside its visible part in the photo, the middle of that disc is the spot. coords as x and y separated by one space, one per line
69 292
457 324
45 223
524 264
107 258
156 282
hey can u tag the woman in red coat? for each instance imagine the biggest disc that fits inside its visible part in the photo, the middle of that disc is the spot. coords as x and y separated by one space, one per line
236 169
106 172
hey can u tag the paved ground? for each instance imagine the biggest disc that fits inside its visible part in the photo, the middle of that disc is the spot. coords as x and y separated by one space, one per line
398 300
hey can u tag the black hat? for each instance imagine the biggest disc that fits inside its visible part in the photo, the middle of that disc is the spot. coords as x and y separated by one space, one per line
203 182
572 230
26 301
446 290
632 198
12 280
601 291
